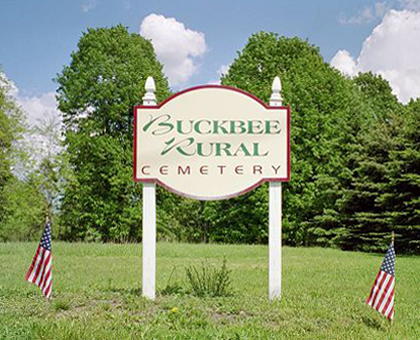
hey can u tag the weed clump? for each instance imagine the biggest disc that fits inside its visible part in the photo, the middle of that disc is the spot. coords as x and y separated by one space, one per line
208 280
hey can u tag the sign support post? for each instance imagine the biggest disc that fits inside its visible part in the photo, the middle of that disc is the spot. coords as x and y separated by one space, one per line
275 207
149 216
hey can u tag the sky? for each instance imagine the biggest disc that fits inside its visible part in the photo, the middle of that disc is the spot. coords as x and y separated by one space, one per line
197 40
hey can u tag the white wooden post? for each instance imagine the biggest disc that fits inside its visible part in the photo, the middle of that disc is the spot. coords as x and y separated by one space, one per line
274 229
149 216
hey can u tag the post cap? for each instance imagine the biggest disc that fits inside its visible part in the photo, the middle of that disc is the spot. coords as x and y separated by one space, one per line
276 87
276 99
150 84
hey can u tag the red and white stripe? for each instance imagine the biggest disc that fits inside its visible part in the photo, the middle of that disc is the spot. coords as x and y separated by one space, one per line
40 272
382 294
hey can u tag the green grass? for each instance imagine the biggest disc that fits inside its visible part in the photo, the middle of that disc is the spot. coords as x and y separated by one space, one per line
97 295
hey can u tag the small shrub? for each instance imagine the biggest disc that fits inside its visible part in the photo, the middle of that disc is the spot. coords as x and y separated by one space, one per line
207 280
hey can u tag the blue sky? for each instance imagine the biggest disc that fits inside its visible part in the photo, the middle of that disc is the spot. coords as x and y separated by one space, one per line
38 36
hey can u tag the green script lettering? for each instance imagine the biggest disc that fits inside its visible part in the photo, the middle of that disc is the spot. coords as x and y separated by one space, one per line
179 146
163 127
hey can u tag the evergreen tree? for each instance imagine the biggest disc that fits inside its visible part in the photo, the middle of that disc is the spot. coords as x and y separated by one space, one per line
402 198
363 215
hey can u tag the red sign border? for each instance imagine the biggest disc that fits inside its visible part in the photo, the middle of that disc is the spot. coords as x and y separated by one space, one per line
156 180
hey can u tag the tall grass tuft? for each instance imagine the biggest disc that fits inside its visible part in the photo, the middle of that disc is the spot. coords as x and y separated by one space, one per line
208 280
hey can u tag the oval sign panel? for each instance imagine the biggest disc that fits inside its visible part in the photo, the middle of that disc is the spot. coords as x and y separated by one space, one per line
211 142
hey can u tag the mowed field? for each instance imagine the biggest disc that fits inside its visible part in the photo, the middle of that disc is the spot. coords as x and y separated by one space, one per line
97 295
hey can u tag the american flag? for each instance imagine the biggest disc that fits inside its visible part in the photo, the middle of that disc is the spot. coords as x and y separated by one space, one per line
382 295
40 271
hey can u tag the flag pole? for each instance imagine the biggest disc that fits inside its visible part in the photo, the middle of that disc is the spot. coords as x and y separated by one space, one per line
47 218
392 243
47 213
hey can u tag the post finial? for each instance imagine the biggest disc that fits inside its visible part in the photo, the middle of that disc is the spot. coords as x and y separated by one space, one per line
149 98
150 84
276 85
276 99
392 238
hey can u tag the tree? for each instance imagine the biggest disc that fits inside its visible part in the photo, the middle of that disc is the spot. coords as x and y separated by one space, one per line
96 94
326 117
26 172
364 217
401 200
10 131
5 143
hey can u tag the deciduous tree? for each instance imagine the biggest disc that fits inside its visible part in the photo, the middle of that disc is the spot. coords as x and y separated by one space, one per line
97 92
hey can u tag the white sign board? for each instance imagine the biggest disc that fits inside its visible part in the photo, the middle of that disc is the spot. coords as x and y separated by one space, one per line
211 142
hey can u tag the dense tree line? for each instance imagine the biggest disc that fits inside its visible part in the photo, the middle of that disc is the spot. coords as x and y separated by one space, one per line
22 203
355 151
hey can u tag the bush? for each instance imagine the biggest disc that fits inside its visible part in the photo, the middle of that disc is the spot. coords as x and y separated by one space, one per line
207 280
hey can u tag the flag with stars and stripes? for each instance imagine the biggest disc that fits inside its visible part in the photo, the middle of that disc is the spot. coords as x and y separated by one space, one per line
382 295
40 271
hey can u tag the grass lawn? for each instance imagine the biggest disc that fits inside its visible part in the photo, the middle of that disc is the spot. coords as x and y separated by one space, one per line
97 295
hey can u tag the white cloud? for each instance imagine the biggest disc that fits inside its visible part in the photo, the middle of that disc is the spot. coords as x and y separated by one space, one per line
392 50
223 70
44 122
366 15
36 108
39 108
89 5
177 47
344 62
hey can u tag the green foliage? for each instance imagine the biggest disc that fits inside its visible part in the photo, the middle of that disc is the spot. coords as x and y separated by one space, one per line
34 183
365 218
355 154
22 206
377 94
25 210
240 220
96 94
400 200
10 132
207 280
326 116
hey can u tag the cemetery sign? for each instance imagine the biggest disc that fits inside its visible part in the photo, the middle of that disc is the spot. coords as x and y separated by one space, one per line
211 142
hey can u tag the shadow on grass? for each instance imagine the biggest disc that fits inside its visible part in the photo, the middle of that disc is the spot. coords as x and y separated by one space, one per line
372 323
125 291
